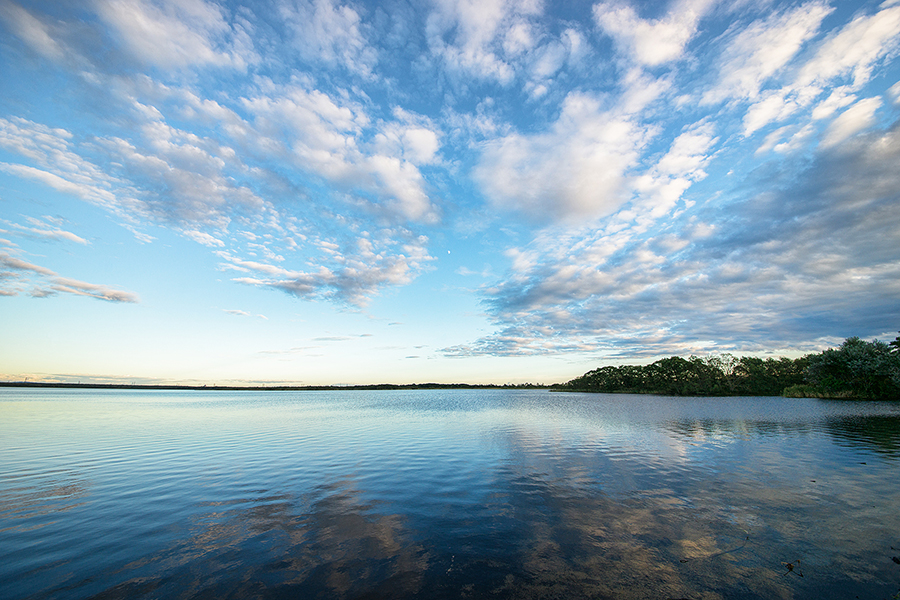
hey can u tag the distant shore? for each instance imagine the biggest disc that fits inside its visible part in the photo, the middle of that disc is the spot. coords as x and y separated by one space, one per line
269 388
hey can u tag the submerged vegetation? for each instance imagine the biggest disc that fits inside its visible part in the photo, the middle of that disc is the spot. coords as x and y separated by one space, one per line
857 369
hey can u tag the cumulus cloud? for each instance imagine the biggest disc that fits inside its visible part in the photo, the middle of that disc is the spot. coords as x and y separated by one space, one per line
411 137
651 41
574 170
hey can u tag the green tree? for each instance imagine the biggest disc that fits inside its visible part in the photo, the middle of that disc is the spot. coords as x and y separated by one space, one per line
857 369
768 377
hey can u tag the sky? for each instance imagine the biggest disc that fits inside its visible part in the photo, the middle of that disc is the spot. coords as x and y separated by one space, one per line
486 191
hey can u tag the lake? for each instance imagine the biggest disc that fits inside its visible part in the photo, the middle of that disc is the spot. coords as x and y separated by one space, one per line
445 494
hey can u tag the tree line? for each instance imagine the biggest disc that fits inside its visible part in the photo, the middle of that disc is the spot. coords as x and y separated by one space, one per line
856 369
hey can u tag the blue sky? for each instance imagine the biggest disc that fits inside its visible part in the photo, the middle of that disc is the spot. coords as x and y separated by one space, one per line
326 192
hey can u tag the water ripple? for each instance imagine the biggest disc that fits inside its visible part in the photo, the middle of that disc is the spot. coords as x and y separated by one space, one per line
444 494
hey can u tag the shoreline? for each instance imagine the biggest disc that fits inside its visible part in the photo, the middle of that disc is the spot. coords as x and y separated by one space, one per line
270 388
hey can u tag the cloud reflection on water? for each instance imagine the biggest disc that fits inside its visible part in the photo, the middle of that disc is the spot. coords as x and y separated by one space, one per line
471 495
542 532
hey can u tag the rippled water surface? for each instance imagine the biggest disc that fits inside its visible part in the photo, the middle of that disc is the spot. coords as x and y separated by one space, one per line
445 494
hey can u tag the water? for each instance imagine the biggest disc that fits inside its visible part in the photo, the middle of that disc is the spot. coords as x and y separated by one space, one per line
445 494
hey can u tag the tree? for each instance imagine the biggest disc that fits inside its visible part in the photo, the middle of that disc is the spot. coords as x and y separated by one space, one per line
757 377
857 369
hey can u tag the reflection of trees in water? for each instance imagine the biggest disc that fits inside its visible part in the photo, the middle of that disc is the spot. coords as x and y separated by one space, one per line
872 432
737 428
878 433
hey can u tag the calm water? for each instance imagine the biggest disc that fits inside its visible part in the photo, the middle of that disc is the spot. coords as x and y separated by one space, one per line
445 494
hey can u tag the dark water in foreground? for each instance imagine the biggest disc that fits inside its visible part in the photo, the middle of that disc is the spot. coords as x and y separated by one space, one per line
445 494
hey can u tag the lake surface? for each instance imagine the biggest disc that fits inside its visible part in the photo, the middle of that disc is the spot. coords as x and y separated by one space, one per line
445 494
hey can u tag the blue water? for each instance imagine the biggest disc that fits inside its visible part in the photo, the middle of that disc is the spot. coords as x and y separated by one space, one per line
445 494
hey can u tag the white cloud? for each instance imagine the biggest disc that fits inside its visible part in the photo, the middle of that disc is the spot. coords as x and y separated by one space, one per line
773 107
402 186
849 54
518 39
177 33
420 145
652 41
63 168
204 238
894 93
49 283
327 139
473 36
763 49
858 117
347 272
838 99
548 60
752 277
185 179
328 32
12 262
172 177
573 171
662 186
317 176
854 50
87 192
38 35
412 137
101 292
798 137
47 231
